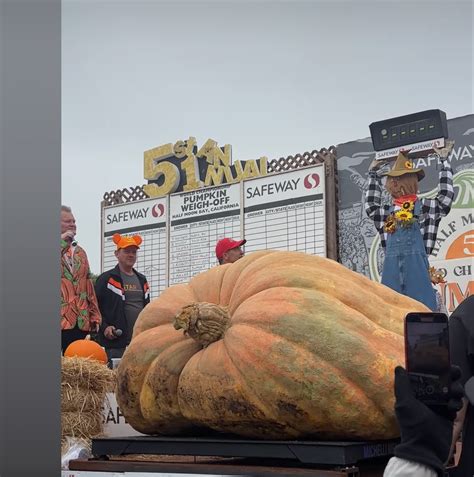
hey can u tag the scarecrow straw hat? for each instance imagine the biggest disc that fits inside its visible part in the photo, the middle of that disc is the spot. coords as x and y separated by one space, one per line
403 165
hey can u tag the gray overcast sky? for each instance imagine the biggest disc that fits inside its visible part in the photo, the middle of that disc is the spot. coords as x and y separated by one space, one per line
269 78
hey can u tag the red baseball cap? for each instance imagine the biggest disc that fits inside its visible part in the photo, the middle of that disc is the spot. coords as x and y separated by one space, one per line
226 244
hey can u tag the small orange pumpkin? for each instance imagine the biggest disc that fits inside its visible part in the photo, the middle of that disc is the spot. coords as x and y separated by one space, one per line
86 349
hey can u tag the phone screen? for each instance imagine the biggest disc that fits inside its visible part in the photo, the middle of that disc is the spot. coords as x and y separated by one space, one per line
427 355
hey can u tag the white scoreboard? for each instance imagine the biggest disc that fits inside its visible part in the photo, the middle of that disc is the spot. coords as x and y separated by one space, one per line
284 211
198 219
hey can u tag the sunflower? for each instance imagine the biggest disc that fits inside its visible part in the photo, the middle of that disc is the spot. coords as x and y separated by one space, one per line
408 165
408 205
437 275
404 215
390 225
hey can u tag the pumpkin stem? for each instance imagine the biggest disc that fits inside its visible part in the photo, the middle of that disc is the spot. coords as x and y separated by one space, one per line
204 322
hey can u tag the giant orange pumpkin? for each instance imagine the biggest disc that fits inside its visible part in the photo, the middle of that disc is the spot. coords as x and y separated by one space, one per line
86 349
277 345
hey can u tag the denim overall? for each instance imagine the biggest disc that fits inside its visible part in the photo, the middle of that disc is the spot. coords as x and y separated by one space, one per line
405 268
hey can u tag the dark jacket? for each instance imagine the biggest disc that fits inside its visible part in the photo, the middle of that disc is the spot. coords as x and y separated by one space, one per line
461 337
111 297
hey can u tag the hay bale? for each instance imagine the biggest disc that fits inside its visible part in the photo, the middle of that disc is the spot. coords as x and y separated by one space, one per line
87 373
86 424
84 384
75 399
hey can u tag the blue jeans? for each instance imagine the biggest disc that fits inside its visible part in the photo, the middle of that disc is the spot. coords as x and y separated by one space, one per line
405 268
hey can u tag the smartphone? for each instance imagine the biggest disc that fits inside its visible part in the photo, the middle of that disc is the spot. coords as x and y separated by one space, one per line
427 356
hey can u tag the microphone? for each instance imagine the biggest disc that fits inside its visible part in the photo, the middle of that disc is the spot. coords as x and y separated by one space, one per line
72 238
117 332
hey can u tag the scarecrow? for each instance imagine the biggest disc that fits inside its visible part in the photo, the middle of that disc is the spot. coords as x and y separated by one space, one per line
408 225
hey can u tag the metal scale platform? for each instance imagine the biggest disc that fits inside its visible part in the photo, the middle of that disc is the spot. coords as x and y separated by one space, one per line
305 452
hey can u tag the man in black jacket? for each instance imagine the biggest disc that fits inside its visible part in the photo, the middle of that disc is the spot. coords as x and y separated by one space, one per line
122 294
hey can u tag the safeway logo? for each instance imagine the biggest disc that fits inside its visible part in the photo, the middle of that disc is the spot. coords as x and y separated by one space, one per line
311 181
158 210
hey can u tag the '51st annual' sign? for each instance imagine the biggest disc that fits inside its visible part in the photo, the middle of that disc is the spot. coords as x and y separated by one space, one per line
182 167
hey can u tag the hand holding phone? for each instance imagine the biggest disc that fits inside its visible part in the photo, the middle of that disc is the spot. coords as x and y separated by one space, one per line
427 357
426 434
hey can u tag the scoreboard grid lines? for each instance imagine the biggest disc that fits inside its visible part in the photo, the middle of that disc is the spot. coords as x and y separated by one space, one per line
181 247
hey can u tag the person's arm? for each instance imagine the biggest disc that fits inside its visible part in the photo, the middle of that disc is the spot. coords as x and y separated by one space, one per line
458 345
441 205
64 246
146 291
457 427
106 327
397 467
66 239
445 196
373 198
95 317
425 434
459 336
94 311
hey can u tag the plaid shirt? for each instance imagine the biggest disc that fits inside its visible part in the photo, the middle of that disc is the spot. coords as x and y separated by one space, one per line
432 210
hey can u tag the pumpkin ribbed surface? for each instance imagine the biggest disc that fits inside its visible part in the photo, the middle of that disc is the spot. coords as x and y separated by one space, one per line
277 345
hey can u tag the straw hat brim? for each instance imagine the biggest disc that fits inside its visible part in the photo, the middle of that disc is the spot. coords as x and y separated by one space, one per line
419 172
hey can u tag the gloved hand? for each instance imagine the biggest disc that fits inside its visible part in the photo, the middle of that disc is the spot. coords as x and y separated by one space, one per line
445 151
426 432
377 164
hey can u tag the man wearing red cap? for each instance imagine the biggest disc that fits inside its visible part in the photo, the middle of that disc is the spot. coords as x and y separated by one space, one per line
122 293
229 251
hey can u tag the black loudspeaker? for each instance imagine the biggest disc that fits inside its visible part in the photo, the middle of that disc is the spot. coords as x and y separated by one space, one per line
410 129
